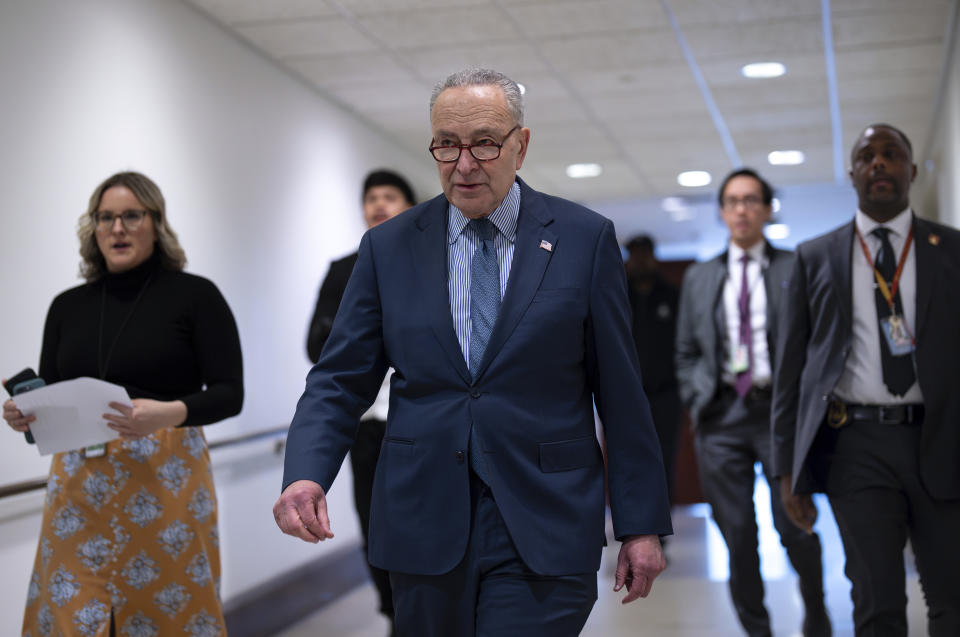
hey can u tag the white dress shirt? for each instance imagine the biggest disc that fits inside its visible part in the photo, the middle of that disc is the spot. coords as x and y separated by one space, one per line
862 378
760 373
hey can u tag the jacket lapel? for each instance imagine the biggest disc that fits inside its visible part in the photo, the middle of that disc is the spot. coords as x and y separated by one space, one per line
429 255
841 267
529 263
718 275
772 287
927 271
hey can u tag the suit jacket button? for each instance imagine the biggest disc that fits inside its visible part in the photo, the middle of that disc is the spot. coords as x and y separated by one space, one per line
474 393
459 455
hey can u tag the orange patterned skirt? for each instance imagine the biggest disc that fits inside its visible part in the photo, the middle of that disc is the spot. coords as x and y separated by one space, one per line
132 533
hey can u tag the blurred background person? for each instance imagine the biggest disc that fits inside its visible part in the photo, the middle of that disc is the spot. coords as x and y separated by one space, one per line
385 195
654 304
725 351
129 540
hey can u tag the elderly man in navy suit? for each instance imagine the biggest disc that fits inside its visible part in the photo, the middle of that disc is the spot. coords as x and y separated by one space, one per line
504 314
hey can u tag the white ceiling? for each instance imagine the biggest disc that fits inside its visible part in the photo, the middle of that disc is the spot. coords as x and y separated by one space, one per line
608 82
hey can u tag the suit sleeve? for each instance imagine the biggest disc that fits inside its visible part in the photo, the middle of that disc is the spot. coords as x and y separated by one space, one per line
342 385
637 480
687 351
794 329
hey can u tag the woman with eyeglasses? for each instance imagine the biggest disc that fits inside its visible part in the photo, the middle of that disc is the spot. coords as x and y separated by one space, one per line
129 543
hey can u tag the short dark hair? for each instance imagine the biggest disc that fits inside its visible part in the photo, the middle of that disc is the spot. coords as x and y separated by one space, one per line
890 127
747 172
640 242
383 177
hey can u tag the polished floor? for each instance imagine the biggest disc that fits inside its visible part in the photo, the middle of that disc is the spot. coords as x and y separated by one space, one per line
689 599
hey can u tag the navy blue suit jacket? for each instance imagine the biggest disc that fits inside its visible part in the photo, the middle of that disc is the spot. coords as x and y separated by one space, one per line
562 341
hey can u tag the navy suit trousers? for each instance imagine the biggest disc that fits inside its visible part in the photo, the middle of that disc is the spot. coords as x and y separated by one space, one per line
491 592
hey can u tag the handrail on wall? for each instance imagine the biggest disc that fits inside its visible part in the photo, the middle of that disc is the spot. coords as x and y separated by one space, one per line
36 484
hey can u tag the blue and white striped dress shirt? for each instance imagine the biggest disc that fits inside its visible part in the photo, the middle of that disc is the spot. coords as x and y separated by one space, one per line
463 244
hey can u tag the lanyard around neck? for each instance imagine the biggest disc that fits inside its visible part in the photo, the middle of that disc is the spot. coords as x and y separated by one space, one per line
888 292
104 364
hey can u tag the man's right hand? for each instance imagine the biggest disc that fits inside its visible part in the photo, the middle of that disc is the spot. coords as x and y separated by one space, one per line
301 511
799 507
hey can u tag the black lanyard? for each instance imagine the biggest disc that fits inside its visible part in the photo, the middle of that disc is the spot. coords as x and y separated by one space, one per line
104 364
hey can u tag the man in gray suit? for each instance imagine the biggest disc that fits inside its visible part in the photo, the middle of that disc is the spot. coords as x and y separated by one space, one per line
725 354
866 405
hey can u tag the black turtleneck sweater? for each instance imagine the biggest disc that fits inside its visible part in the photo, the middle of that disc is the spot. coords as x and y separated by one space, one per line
159 333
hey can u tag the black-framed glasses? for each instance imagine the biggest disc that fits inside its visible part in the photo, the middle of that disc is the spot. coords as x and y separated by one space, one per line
486 150
750 202
131 219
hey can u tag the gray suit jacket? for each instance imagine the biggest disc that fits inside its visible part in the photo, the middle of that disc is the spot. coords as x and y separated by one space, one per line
700 324
816 333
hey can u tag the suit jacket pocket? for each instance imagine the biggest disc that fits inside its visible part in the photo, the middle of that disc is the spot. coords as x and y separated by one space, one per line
400 446
549 294
569 454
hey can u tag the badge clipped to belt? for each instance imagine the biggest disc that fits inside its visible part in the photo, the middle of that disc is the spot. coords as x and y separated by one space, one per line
837 414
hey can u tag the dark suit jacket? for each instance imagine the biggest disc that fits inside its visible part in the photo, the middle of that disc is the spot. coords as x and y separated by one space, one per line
815 340
562 341
328 302
655 332
701 325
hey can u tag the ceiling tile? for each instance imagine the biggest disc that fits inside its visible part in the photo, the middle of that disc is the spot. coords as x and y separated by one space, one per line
236 12
885 28
307 37
367 7
625 51
582 18
355 68
793 36
719 12
840 7
460 26
516 59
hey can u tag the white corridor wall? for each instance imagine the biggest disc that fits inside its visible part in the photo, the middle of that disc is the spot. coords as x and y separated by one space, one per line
261 177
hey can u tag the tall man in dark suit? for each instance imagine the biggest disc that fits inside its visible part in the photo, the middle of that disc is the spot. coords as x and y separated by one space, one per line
725 353
385 195
504 314
866 405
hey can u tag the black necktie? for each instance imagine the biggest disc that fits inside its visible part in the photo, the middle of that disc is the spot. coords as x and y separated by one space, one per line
898 374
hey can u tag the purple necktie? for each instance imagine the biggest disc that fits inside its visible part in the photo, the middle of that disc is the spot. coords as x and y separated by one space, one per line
742 383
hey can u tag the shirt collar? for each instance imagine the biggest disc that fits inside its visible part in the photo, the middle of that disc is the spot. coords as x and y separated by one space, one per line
504 217
757 252
899 225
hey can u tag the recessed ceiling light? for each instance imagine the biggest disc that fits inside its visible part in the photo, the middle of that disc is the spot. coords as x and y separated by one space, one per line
579 171
760 70
694 178
777 231
786 157
523 89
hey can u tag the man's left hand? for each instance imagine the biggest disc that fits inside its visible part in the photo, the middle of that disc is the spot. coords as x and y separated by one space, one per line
145 417
640 561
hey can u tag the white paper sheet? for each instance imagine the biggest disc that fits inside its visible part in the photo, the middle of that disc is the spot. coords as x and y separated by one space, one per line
70 413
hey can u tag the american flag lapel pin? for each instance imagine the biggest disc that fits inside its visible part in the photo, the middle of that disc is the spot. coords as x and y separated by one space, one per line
546 245
934 239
